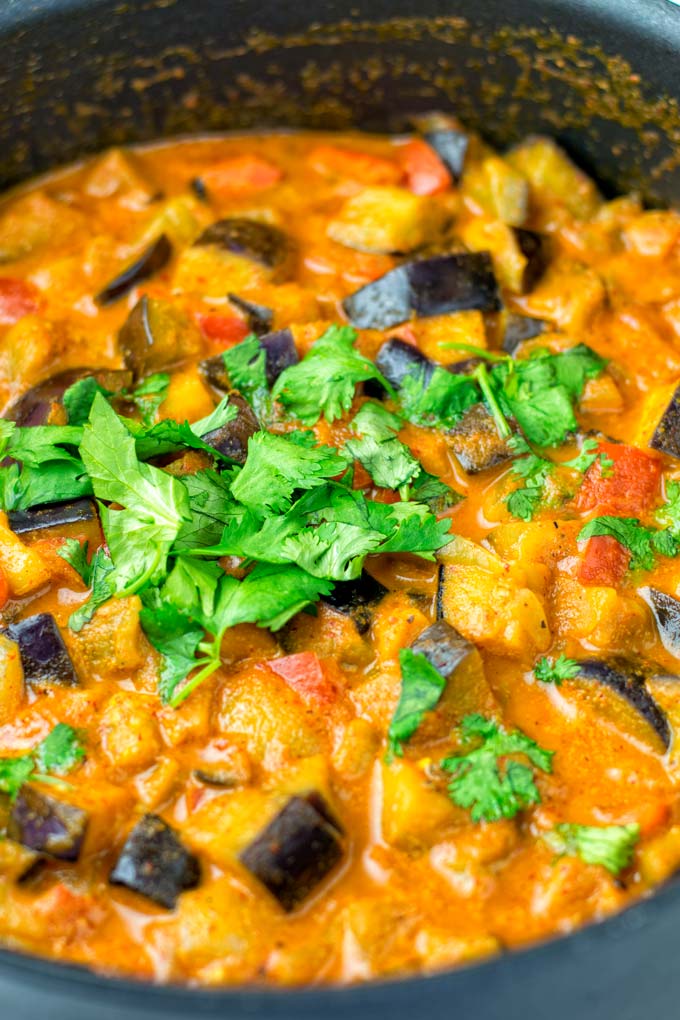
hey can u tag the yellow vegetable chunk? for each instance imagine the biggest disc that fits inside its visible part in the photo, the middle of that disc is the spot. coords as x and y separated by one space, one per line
499 189
11 680
385 219
24 569
414 814
128 731
554 179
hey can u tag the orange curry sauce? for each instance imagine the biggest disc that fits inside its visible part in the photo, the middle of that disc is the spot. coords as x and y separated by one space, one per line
420 885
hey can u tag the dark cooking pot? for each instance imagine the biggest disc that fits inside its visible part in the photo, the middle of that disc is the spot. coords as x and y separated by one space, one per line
601 75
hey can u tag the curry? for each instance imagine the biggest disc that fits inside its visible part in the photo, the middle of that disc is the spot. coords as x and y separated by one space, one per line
339 555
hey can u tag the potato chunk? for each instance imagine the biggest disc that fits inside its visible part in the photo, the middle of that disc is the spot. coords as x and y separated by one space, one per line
11 679
24 569
386 220
128 731
413 814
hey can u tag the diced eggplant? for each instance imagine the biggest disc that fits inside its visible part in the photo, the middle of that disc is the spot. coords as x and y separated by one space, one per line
666 438
231 439
44 656
254 240
296 851
40 405
155 863
629 682
464 367
152 259
258 317
47 825
434 286
197 185
443 647
356 599
518 329
451 146
396 359
666 610
157 334
52 515
532 245
214 373
476 442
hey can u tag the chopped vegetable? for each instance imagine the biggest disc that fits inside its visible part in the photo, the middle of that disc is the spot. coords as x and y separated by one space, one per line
610 846
554 671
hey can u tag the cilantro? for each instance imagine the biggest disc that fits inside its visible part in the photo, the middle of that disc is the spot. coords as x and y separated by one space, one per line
439 402
77 399
175 636
168 436
611 846
275 468
556 670
246 366
388 461
211 505
489 780
50 470
428 489
642 543
421 688
502 425
323 383
149 395
100 580
668 515
75 555
60 752
535 471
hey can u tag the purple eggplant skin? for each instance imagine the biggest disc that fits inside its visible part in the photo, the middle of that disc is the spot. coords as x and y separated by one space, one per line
475 441
156 335
254 240
47 825
258 317
629 682
451 146
280 353
296 850
213 371
356 599
52 515
666 611
396 359
443 647
41 404
231 439
154 258
533 246
155 863
519 329
434 286
44 656
666 438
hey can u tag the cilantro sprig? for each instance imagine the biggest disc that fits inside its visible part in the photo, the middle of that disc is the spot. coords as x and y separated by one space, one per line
489 780
421 688
643 543
554 671
610 846
58 754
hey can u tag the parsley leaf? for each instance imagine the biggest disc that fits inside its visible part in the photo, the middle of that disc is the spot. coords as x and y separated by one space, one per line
488 780
642 543
50 468
554 671
611 846
421 688
323 383
60 752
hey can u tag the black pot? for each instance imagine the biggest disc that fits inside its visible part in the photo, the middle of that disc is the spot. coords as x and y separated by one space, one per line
603 76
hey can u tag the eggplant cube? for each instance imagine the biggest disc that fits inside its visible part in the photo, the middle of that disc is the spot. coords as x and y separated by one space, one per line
476 442
47 825
52 515
518 329
666 438
296 851
443 647
451 146
532 246
44 656
155 864
396 359
231 439
355 598
280 353
258 317
251 239
152 259
629 683
666 610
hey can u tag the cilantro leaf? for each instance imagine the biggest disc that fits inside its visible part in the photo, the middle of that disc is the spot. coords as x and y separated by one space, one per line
77 399
75 555
323 383
246 365
524 501
430 490
611 846
175 636
421 688
50 469
275 468
388 461
211 506
488 780
192 582
149 395
60 752
554 671
642 543
668 515
102 584
168 436
439 402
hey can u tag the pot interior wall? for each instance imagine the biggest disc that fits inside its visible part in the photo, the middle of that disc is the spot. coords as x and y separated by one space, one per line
79 75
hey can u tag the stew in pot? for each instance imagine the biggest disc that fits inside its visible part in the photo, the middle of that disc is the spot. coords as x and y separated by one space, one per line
339 555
